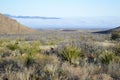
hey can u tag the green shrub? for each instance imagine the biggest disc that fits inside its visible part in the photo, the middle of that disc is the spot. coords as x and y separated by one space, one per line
106 57
35 47
116 59
70 53
30 48
24 47
115 35
29 61
12 46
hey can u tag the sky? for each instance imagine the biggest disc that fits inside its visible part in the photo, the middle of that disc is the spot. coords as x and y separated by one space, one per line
61 8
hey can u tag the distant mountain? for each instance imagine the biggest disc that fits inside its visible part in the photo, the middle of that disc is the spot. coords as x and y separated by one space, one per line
117 29
11 26
31 17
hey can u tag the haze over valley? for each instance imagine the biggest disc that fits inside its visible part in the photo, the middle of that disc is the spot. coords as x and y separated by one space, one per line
38 22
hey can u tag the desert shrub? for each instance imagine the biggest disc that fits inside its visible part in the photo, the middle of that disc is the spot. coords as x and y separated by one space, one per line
70 53
48 66
32 48
12 46
106 57
102 77
35 47
29 61
24 47
117 49
26 74
28 51
115 35
89 47
116 59
114 70
50 42
43 60
4 52
11 65
85 72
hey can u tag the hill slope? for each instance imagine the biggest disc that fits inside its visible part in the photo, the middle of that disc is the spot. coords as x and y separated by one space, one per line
11 26
117 29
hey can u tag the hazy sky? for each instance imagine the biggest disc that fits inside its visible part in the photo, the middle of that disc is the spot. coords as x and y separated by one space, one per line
61 8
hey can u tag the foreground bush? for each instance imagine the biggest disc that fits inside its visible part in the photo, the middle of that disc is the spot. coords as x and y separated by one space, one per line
70 53
12 46
106 57
115 35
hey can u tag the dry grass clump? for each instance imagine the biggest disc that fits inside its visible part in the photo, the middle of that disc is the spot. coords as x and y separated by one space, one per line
114 70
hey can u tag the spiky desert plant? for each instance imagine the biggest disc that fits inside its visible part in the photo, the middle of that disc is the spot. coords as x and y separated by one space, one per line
12 45
106 57
70 53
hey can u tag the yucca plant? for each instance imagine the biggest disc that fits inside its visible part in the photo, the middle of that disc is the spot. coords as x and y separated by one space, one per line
12 46
70 53
106 57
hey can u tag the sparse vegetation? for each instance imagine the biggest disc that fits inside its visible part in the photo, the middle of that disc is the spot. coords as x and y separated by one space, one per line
67 57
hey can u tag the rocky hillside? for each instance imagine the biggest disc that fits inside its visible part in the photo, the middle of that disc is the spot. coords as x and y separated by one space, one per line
11 26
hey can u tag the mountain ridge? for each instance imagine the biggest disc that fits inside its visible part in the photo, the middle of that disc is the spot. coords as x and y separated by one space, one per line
30 17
